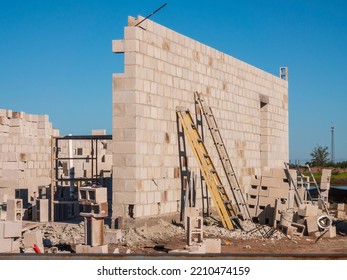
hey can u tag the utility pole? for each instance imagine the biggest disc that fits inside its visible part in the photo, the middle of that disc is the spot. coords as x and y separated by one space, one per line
332 144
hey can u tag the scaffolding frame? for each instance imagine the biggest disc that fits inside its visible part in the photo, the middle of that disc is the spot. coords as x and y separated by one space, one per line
55 159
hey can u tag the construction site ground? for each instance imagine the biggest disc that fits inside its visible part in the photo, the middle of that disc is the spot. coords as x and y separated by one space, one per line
165 237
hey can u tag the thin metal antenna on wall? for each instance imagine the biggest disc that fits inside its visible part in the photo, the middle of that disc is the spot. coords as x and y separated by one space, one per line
157 10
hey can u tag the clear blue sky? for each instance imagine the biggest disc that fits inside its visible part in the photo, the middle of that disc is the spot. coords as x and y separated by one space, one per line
56 59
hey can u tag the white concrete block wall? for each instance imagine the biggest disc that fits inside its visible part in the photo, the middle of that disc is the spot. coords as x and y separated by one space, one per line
163 69
25 152
25 142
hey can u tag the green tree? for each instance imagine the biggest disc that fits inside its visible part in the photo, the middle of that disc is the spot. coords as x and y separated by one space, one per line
320 156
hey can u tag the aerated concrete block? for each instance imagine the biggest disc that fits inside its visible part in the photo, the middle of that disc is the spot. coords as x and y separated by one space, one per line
278 193
92 195
331 232
12 229
308 210
278 173
326 175
252 200
265 201
43 210
190 212
264 191
2 229
212 246
113 236
194 230
271 182
5 245
311 224
324 186
266 172
87 249
14 210
93 231
32 237
253 190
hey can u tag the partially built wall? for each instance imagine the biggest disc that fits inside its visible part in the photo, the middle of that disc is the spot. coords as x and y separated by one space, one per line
25 152
162 70
26 158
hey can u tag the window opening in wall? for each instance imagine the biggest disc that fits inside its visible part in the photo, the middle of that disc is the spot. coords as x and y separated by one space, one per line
131 208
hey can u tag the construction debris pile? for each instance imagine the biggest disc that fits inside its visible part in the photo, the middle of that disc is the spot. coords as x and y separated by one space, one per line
281 198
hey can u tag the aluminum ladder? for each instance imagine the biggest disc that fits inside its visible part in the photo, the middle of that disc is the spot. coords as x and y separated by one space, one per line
216 189
313 181
236 191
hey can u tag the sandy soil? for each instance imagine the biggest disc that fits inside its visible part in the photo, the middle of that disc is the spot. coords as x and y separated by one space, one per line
164 237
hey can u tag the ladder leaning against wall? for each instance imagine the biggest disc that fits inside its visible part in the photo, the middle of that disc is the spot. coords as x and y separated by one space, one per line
236 191
216 189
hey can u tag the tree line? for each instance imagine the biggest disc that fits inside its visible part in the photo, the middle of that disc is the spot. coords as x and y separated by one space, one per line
320 157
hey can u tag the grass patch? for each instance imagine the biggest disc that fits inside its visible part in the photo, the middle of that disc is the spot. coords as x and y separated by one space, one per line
336 178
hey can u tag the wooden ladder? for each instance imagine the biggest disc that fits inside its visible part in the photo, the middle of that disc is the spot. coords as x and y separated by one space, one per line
216 189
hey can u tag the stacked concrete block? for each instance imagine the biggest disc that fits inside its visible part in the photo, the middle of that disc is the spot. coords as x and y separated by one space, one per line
195 231
10 233
265 193
93 206
162 70
93 201
14 210
24 151
190 212
308 210
93 231
325 184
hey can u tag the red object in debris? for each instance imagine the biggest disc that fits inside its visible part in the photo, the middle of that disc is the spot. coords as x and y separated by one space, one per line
36 249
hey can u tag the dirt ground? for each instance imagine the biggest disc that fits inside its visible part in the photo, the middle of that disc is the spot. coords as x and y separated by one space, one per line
164 237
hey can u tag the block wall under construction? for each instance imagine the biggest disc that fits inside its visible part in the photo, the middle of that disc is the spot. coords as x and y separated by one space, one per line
162 70
26 158
25 152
